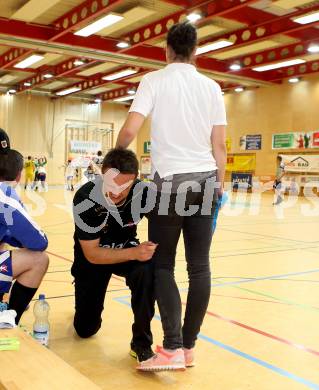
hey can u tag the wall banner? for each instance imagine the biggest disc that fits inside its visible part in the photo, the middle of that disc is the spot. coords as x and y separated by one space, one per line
250 142
297 140
147 147
84 146
301 162
241 180
238 162
283 141
146 165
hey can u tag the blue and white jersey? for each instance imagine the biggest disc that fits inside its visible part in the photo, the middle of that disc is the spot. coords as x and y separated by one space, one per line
16 226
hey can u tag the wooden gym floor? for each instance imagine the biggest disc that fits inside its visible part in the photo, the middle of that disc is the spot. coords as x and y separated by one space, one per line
261 328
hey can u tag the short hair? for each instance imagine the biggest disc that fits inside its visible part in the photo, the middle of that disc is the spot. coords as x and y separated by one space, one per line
29 157
11 164
182 38
99 153
4 141
279 158
123 160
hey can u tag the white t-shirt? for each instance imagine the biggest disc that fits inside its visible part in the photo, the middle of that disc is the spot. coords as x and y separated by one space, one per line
184 106
69 171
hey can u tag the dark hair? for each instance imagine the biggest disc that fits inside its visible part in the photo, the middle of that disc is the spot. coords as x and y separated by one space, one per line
182 38
122 159
279 158
11 164
4 141
99 153
29 157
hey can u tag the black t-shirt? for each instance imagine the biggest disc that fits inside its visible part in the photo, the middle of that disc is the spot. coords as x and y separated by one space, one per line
95 218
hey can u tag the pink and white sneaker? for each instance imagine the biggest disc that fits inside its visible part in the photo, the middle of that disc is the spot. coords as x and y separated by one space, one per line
164 360
189 357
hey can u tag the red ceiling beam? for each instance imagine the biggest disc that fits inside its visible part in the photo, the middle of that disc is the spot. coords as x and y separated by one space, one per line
204 63
98 81
64 69
297 70
45 33
281 53
124 91
8 58
160 27
179 3
82 15
106 45
118 92
262 31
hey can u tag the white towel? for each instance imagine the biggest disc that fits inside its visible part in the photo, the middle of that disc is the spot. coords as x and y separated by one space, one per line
7 319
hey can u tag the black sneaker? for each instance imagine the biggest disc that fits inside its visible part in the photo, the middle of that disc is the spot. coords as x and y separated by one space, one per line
141 353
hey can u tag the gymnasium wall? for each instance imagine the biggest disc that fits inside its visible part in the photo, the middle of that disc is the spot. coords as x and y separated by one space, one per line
267 110
36 125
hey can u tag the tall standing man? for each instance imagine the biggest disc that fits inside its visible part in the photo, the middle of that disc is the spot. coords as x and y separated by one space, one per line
189 150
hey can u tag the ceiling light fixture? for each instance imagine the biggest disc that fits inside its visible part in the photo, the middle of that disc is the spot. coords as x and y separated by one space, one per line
213 46
193 17
294 80
235 67
27 84
68 91
124 99
278 65
29 61
122 45
308 18
12 91
98 100
118 75
313 49
48 76
78 62
99 25
239 89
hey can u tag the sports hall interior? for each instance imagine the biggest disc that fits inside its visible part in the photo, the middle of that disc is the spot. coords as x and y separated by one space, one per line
261 329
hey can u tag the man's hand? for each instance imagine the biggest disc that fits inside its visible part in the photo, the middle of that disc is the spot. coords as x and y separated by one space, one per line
144 251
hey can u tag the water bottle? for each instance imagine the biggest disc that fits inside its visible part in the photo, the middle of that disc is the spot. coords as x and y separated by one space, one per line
41 325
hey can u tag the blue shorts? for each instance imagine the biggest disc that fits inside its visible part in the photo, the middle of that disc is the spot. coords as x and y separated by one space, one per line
6 275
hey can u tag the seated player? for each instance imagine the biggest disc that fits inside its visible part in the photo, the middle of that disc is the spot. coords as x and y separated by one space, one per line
28 264
105 246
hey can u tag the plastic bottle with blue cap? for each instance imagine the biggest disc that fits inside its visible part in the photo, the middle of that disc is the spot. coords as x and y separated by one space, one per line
41 326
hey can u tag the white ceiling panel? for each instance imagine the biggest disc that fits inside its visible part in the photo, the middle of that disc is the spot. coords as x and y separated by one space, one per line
290 4
132 16
49 59
248 49
34 8
102 68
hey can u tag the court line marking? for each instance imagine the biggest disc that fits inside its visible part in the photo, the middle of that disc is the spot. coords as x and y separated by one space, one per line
263 252
244 355
72 295
59 257
266 236
287 301
263 333
265 278
248 299
246 281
